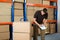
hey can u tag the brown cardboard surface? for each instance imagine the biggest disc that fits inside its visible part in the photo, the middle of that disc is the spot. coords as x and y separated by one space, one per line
50 13
30 7
30 18
45 2
4 35
18 18
30 12
21 36
47 30
38 8
18 5
52 28
21 27
4 28
34 1
5 18
5 11
5 5
4 39
19 0
18 12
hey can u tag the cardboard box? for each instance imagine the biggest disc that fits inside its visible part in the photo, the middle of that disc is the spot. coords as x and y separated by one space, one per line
4 28
4 35
50 13
31 30
45 2
5 11
47 30
38 8
18 5
18 12
5 18
24 27
30 18
30 12
21 36
18 18
34 1
30 7
4 39
5 5
52 28
19 0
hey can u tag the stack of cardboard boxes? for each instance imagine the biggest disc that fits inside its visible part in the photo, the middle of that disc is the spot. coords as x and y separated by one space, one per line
51 27
21 31
5 16
4 32
5 13
19 0
18 11
34 1
51 17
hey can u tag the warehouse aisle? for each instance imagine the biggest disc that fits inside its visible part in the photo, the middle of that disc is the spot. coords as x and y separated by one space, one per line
55 36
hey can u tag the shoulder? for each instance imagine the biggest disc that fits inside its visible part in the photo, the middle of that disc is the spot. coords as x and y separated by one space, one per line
37 12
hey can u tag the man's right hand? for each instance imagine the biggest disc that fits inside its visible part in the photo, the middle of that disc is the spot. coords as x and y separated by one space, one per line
42 27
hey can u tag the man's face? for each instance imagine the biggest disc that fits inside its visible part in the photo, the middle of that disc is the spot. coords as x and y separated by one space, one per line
42 13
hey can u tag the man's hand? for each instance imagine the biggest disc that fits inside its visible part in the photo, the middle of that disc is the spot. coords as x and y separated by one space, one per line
44 20
42 27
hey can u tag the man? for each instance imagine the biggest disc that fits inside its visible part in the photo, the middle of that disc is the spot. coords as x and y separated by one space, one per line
40 19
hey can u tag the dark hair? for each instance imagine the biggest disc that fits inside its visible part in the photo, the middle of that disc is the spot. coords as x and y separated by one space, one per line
45 10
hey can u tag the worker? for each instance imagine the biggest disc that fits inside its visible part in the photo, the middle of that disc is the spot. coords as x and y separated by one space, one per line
40 19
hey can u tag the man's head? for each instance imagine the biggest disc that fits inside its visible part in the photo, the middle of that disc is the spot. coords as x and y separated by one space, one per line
44 11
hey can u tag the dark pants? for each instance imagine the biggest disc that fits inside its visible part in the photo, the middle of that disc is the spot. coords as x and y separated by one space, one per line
35 32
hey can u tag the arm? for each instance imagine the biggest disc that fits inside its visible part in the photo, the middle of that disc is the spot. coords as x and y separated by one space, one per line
44 20
36 22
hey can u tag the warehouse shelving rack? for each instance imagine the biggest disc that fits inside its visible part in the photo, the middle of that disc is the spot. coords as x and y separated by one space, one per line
25 15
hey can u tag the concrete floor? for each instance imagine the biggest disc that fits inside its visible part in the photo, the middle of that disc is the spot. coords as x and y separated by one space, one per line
55 36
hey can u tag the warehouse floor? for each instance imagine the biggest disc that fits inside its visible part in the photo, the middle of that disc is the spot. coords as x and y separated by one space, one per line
55 36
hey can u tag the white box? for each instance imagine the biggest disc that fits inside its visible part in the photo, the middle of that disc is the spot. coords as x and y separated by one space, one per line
4 28
4 35
21 27
21 36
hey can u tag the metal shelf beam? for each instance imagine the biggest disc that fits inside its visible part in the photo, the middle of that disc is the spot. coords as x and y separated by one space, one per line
41 5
